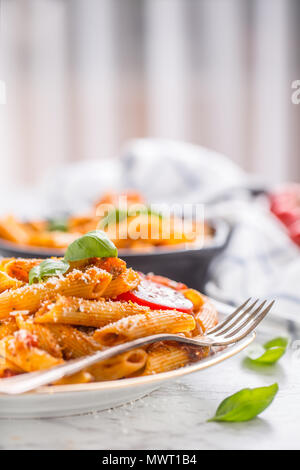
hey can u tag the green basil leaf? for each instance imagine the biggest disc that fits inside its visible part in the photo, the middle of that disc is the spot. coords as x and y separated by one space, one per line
48 268
116 215
245 404
277 342
58 225
113 217
269 353
144 210
95 244
266 357
271 356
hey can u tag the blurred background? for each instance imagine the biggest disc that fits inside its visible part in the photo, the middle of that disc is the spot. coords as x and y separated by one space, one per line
84 76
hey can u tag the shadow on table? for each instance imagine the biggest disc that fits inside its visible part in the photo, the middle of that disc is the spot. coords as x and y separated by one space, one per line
276 371
257 424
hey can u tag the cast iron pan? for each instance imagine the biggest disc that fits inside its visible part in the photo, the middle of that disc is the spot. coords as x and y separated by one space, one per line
185 265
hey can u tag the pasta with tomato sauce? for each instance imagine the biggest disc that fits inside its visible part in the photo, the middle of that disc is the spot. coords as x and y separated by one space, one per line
96 304
129 222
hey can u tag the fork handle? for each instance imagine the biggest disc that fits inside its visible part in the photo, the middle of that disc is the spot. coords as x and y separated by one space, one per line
26 382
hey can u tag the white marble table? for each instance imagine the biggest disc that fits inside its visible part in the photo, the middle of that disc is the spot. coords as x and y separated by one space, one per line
174 416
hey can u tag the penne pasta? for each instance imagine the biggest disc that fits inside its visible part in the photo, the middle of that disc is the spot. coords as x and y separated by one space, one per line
19 268
206 318
8 327
137 326
89 285
74 343
163 357
82 377
13 231
7 282
119 367
25 354
52 239
115 266
8 369
95 313
128 280
45 338
4 262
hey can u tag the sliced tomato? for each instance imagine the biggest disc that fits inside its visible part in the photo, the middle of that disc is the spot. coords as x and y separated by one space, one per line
289 217
157 297
286 204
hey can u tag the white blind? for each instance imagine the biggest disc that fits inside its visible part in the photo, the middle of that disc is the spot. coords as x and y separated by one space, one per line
84 76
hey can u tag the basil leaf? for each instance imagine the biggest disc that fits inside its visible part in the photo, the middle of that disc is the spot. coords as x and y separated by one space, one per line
116 216
269 353
58 225
113 217
144 210
277 342
245 404
48 268
95 244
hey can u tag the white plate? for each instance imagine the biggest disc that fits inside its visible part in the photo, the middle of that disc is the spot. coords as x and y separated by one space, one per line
82 398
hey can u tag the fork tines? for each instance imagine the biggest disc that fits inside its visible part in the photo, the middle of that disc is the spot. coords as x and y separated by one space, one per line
242 321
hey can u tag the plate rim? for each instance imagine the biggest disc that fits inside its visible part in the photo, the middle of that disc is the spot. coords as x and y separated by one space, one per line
210 361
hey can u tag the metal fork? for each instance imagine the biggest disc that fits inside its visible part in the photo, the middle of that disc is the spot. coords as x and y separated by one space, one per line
234 328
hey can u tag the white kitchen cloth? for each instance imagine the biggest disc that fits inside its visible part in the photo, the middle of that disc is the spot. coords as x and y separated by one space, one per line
260 261
171 171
